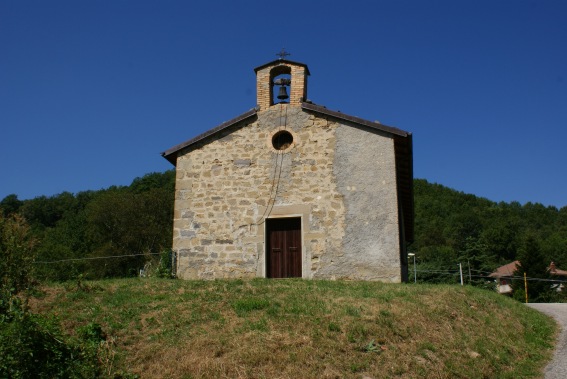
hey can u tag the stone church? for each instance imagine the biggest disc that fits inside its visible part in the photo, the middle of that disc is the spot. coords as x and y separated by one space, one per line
293 189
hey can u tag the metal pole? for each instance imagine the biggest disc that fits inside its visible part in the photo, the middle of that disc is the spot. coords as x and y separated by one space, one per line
526 286
461 271
414 270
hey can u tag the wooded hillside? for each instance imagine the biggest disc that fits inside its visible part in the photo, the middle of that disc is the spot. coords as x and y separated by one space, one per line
453 227
96 234
136 221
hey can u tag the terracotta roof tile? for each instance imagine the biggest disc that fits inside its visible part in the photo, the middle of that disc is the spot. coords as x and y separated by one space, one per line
506 270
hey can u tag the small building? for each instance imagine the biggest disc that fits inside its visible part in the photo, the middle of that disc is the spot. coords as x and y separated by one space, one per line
504 275
555 272
293 189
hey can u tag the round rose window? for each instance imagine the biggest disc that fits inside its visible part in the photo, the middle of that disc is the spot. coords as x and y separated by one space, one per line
282 140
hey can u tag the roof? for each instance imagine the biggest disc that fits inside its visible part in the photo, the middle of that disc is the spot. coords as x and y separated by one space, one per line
506 270
403 147
559 272
171 153
356 120
283 61
553 270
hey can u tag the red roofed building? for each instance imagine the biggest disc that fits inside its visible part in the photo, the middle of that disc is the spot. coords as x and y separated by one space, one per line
505 274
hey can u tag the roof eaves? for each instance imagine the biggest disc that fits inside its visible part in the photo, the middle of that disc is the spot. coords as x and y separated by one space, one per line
356 120
278 61
171 154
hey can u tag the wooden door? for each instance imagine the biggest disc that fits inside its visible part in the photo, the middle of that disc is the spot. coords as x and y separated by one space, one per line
283 245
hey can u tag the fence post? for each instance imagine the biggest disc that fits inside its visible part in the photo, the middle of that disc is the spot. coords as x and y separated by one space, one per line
526 286
173 267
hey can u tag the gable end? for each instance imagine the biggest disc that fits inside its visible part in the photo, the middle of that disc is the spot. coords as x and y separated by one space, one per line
171 154
403 146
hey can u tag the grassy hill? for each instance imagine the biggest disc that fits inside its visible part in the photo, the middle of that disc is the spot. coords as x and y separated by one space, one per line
157 328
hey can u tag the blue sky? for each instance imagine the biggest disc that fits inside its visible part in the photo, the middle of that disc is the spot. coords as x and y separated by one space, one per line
91 92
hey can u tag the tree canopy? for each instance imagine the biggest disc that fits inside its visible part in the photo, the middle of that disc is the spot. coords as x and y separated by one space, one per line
79 233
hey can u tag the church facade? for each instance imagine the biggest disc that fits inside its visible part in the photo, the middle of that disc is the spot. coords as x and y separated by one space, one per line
292 189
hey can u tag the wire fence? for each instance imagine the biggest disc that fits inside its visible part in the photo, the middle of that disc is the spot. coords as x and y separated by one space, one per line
478 273
93 258
167 262
486 275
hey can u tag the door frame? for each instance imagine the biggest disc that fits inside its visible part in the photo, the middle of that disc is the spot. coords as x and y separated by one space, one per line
267 244
302 211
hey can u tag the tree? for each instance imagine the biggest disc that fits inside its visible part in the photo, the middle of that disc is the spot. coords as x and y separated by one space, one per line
17 255
536 268
165 180
44 212
65 244
10 205
125 223
32 346
478 260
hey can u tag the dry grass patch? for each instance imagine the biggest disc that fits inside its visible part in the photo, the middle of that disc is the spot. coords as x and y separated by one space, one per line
309 329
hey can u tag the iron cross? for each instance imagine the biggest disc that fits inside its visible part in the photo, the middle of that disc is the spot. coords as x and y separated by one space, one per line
282 54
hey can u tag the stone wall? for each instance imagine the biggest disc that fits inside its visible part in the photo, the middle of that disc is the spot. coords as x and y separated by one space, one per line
226 188
339 179
364 169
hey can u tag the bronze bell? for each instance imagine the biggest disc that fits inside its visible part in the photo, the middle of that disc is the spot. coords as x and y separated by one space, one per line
282 95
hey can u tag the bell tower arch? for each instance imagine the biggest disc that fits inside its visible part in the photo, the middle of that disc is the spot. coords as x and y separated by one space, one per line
279 76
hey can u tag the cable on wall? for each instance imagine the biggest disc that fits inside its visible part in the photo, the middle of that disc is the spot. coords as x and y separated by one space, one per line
277 168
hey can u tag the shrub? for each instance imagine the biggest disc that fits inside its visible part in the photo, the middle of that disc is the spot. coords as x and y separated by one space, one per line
16 261
166 265
32 346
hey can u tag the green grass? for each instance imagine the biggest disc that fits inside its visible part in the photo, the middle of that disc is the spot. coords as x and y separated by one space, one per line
310 329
